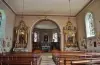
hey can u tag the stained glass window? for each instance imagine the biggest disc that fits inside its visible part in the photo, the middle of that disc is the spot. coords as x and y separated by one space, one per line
2 28
55 37
35 36
89 23
0 19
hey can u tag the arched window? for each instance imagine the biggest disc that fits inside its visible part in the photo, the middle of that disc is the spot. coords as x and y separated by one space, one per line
35 37
55 37
89 23
2 26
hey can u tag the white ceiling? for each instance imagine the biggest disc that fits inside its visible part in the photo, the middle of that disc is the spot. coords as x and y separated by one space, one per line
47 7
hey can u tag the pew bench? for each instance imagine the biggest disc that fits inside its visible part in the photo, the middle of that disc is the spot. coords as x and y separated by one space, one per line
85 62
20 59
75 58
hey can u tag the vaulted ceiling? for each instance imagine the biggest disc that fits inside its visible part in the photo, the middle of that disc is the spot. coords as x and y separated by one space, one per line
47 7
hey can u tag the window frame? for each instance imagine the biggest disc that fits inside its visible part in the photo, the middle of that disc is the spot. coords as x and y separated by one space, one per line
3 15
34 36
2 28
93 24
53 36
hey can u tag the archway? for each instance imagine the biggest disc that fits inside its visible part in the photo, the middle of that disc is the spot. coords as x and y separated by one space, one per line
46 36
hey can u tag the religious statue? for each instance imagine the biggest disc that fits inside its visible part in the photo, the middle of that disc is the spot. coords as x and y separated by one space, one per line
21 35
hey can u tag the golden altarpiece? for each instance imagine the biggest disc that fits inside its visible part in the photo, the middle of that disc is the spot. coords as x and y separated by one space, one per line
20 37
69 35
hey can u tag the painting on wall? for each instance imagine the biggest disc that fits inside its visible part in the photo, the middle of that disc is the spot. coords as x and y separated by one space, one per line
45 38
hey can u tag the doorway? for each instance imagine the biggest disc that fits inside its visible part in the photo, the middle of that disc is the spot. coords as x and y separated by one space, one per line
46 36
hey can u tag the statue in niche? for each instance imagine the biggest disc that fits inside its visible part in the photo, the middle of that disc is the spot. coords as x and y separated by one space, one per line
21 35
69 35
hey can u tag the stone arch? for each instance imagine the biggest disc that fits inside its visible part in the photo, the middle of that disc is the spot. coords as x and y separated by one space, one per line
38 21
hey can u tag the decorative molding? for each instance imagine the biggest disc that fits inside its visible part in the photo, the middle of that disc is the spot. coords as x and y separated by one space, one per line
8 6
84 7
45 15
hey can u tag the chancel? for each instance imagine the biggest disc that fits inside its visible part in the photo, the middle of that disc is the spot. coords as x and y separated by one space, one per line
49 32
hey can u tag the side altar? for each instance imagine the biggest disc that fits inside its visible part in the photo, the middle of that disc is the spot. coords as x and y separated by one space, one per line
20 37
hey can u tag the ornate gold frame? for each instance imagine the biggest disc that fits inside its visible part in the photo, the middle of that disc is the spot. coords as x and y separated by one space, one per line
69 35
21 35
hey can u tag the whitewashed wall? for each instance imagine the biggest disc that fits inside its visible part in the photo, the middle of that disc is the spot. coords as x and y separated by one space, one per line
10 19
94 7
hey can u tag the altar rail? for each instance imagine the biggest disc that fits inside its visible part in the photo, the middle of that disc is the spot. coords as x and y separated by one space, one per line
19 59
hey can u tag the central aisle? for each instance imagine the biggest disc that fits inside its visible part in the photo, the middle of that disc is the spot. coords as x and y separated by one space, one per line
47 59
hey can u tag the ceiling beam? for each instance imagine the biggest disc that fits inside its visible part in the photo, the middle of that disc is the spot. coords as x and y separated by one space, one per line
8 6
84 7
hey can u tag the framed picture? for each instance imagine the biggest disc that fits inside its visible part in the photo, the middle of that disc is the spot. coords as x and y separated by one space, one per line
45 38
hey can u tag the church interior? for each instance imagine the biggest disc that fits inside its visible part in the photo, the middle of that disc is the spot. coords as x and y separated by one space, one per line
49 32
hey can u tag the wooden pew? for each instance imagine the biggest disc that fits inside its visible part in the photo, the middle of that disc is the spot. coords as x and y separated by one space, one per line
69 55
85 62
20 59
66 58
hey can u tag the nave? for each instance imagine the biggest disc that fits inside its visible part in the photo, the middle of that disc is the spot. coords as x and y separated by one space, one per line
49 32
54 58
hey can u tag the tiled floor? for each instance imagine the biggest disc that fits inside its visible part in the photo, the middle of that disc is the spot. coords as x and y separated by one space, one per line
47 59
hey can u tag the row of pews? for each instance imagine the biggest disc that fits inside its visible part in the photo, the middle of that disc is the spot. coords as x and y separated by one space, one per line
25 58
76 58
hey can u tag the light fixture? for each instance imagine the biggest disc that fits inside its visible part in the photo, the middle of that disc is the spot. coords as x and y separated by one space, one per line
22 23
69 11
68 23
22 11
